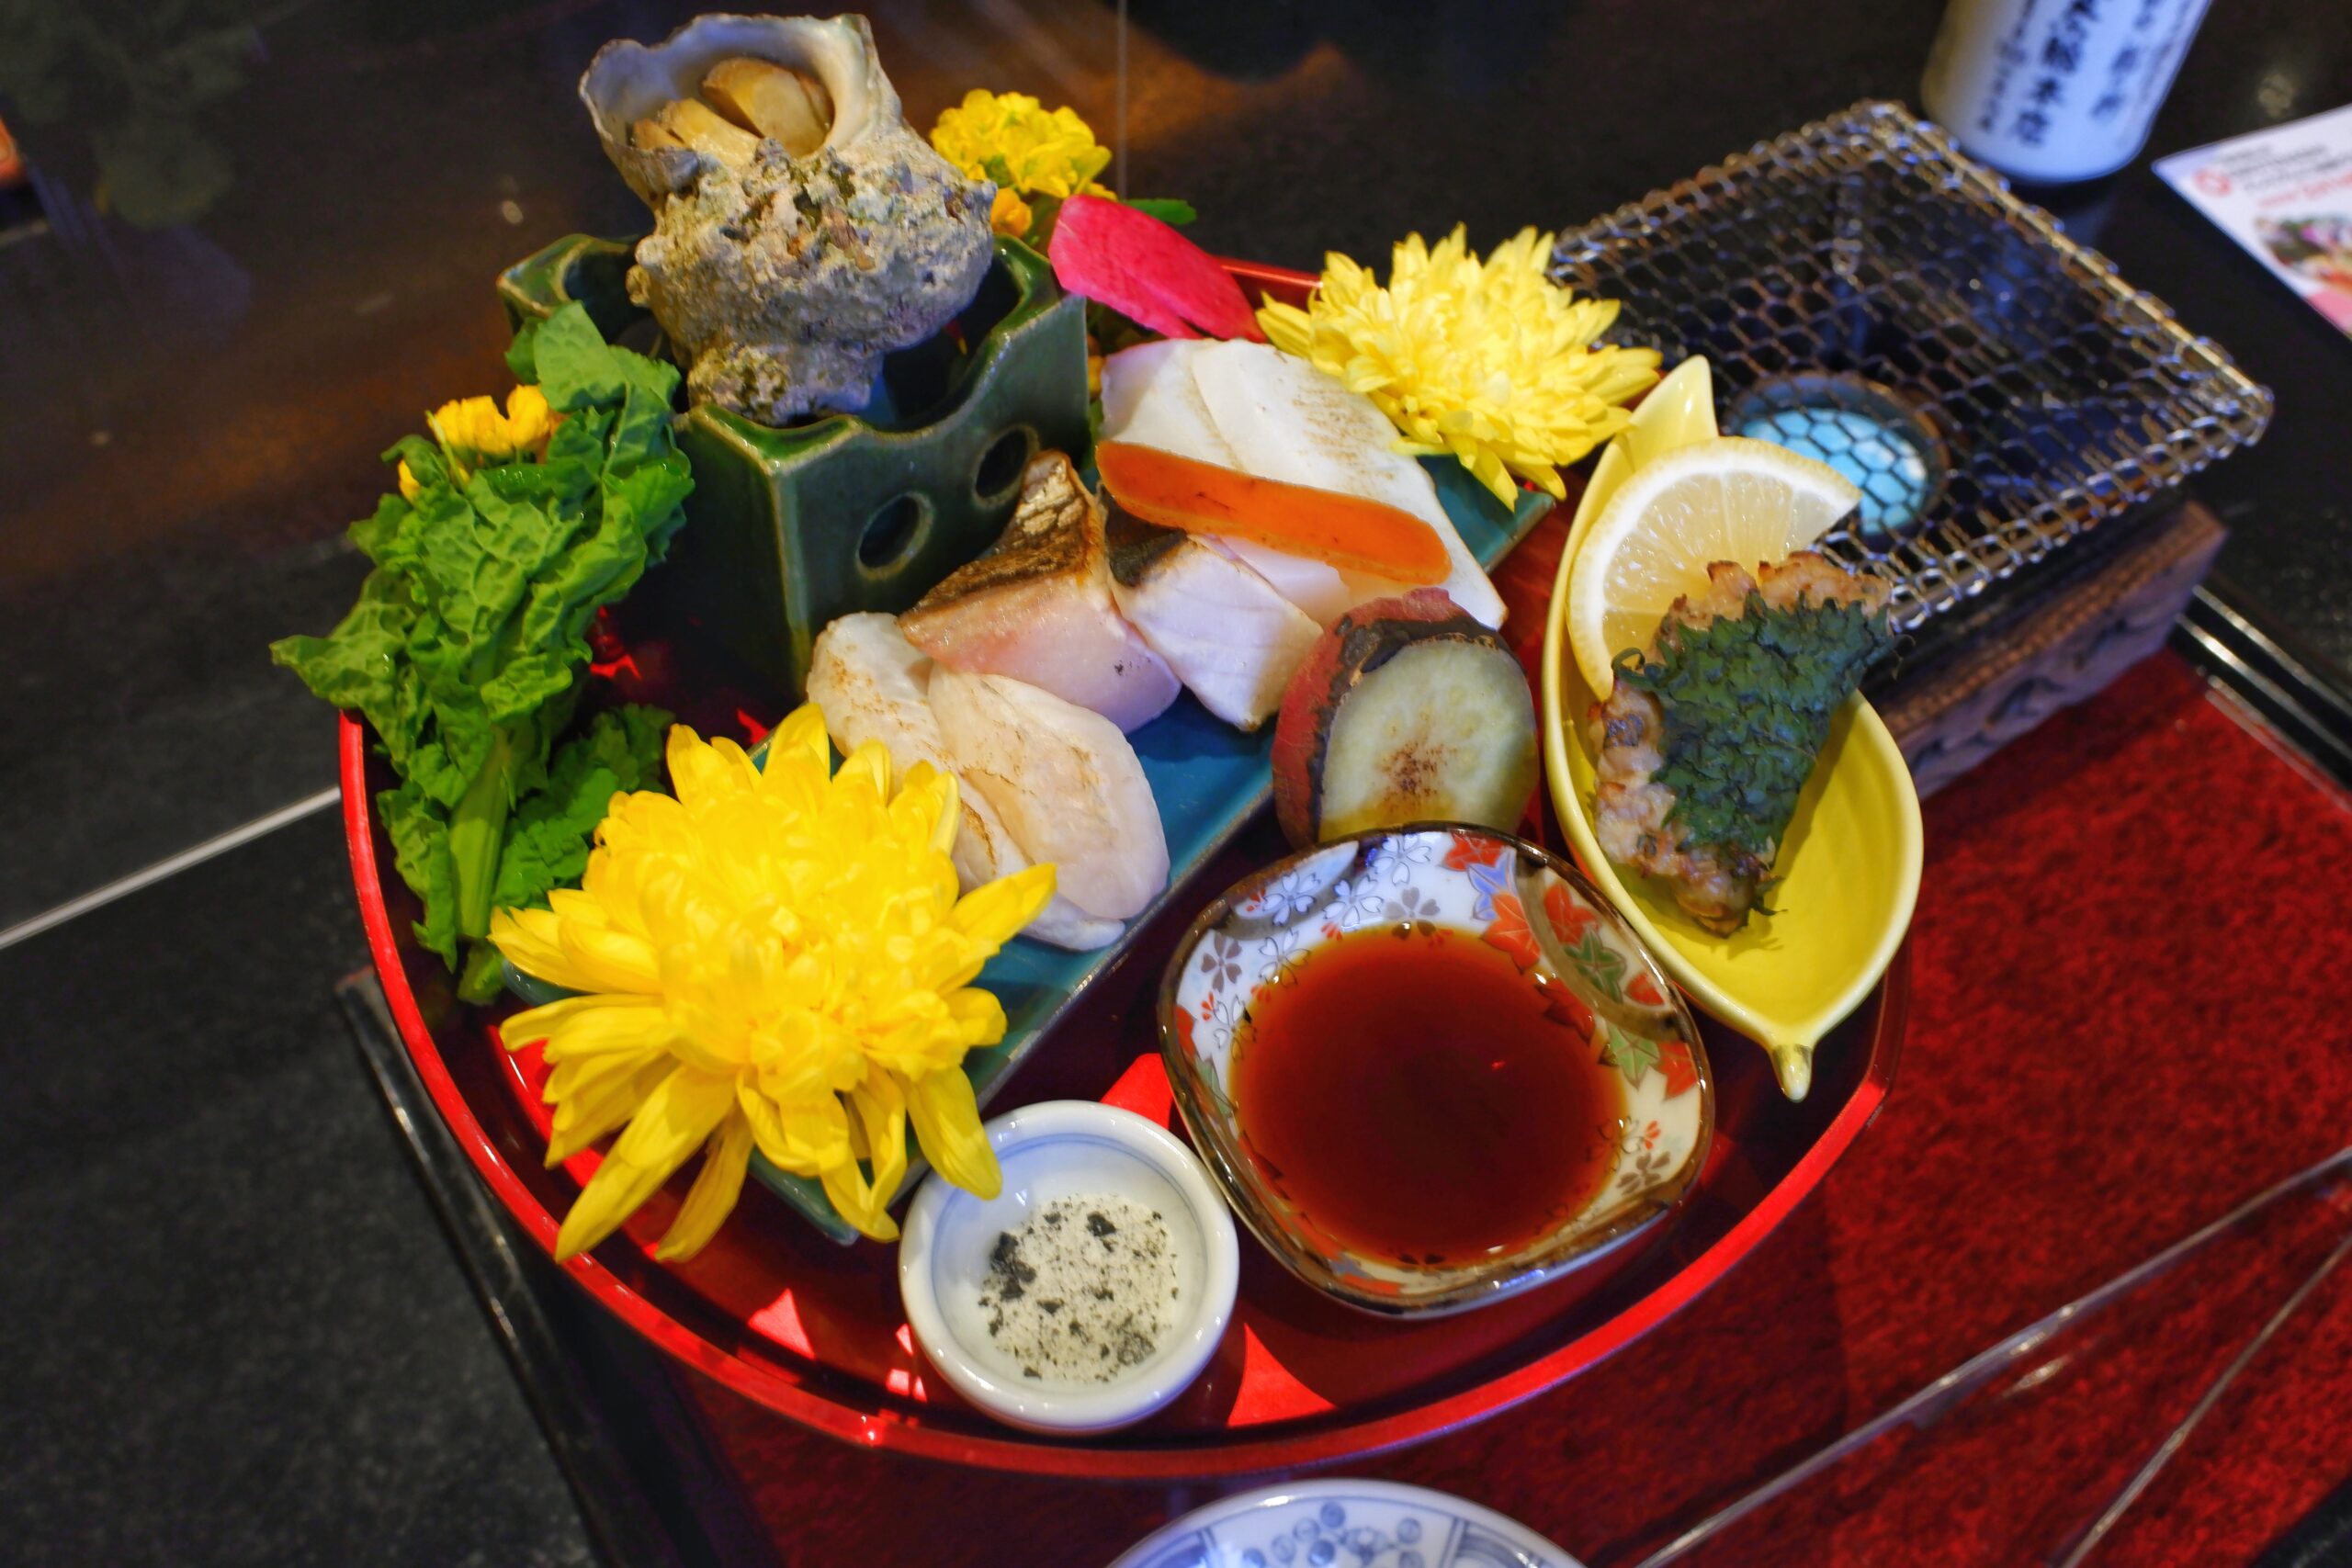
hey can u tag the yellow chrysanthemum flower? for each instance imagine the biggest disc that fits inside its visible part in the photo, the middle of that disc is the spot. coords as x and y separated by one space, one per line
474 433
1490 361
774 959
1012 139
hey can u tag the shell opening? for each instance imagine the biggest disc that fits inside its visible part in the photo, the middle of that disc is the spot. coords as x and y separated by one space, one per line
629 82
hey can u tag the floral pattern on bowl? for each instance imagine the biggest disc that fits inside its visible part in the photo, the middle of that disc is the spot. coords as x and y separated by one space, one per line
1509 894
1341 1523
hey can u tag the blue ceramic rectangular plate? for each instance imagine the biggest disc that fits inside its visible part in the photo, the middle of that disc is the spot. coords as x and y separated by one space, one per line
1208 779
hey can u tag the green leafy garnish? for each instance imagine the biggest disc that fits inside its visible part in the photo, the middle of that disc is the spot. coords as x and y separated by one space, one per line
1632 1054
548 836
1747 702
465 650
1170 210
1602 966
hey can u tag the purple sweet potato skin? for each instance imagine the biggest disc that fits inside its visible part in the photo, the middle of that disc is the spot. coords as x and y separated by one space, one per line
1354 645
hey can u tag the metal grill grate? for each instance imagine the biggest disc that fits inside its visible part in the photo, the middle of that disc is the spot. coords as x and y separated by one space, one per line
1867 249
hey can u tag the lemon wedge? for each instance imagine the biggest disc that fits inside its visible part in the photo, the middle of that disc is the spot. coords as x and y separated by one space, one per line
1725 499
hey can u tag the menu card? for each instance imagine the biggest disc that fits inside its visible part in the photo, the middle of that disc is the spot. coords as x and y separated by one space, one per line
2286 194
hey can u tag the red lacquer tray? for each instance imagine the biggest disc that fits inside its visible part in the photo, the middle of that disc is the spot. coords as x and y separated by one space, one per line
815 1332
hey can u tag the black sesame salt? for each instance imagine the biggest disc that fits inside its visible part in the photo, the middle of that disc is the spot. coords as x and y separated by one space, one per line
1070 1303
1007 1273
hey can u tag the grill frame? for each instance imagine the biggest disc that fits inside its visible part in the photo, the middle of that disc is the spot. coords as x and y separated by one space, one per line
1777 261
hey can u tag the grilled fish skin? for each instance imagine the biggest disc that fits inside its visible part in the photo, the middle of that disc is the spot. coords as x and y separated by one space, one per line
1228 635
1036 607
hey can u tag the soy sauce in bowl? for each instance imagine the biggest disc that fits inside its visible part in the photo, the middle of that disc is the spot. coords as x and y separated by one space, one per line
1418 1096
1428 1068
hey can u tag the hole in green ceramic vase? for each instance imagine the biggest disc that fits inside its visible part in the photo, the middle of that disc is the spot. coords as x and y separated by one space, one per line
1001 464
892 533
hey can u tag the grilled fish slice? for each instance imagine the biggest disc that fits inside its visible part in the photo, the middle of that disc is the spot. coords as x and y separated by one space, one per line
1037 607
1065 781
871 684
1222 628
1715 876
1150 397
1286 420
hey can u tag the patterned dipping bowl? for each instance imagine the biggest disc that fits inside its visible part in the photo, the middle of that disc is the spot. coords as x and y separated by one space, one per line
1498 890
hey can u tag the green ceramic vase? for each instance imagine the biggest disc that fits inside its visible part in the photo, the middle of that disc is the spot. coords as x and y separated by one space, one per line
788 529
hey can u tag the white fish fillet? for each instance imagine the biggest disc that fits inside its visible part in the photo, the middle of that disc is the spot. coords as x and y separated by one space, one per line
1151 398
1065 781
1318 588
870 684
1286 420
1231 637
1036 607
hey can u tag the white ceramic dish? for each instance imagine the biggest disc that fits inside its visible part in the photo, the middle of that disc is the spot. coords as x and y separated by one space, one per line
1066 1148
1345 1523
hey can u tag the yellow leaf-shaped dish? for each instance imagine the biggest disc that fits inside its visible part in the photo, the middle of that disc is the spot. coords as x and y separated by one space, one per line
1848 867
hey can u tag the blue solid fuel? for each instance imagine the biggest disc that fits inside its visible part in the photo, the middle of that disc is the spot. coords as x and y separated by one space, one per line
1885 464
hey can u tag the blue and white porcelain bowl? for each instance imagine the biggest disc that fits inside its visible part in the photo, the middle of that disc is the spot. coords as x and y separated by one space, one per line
1338 1523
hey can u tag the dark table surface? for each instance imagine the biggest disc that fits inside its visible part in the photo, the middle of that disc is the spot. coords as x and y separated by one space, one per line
257 242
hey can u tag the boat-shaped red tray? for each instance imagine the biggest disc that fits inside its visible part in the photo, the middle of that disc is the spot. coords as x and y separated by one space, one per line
815 1331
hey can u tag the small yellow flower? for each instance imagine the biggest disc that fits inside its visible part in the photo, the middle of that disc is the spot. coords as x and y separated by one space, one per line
473 434
1009 215
1489 361
769 959
1012 139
